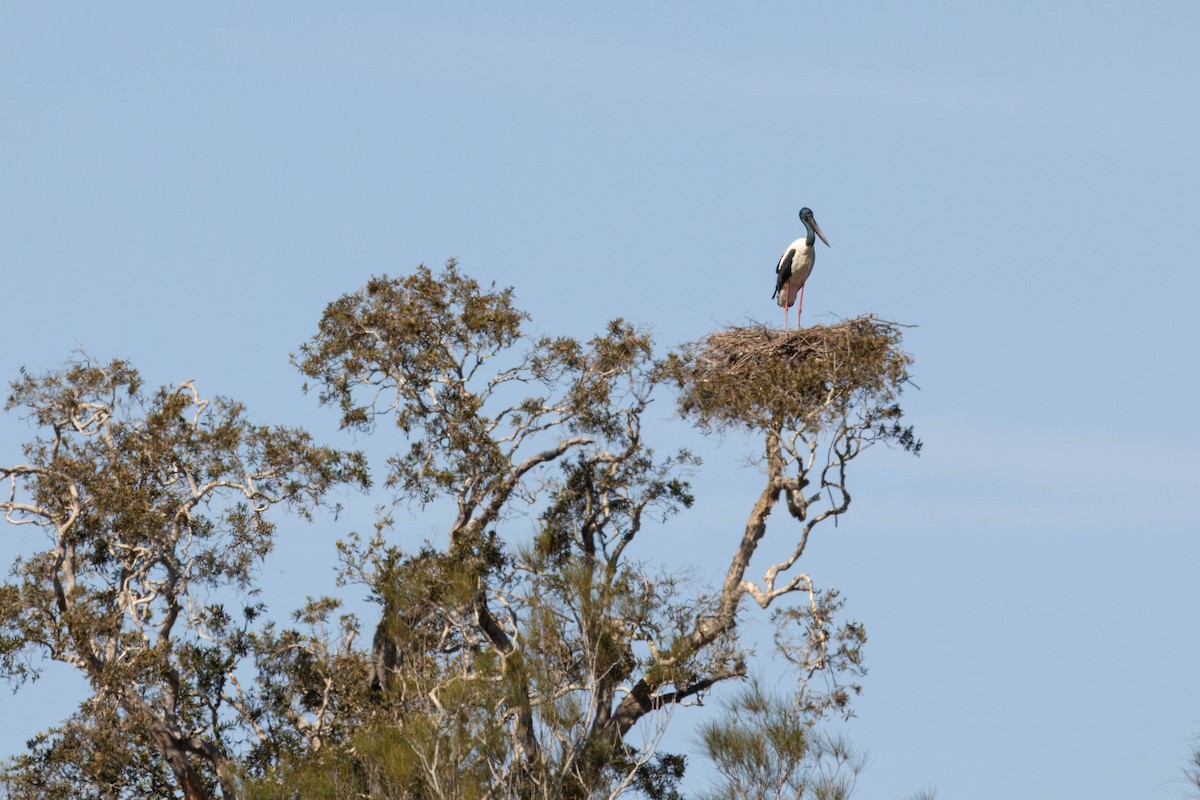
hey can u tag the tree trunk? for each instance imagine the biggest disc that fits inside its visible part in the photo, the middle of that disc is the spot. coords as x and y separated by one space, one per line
177 758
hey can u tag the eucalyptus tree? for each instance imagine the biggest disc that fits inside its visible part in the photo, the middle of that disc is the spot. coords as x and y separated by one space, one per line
141 513
524 651
509 665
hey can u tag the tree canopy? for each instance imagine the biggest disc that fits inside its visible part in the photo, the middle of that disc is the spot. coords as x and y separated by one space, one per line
503 663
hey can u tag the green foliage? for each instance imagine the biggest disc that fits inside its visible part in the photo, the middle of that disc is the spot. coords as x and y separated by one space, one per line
515 658
765 747
1192 771
152 502
97 754
810 638
483 408
659 779
413 348
309 687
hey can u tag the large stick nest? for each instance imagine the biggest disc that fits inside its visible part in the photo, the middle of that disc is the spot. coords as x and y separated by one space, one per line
760 377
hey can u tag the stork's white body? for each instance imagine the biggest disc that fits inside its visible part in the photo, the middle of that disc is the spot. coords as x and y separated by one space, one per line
798 259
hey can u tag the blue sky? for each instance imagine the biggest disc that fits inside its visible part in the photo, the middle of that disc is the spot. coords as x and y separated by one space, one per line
187 187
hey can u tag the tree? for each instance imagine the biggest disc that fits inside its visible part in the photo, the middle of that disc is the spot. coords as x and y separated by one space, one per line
765 747
526 652
509 668
154 505
1192 771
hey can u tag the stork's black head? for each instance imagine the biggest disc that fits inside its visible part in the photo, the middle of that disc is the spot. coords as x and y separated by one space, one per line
810 224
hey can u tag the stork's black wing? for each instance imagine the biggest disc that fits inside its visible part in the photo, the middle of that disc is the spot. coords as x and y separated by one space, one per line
783 271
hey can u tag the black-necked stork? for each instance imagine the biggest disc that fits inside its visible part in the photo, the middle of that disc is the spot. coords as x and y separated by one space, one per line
795 265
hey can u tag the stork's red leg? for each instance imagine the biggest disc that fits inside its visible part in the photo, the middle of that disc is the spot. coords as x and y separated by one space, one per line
799 307
787 290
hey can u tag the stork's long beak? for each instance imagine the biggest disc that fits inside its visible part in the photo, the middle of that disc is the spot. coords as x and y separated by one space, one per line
817 229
